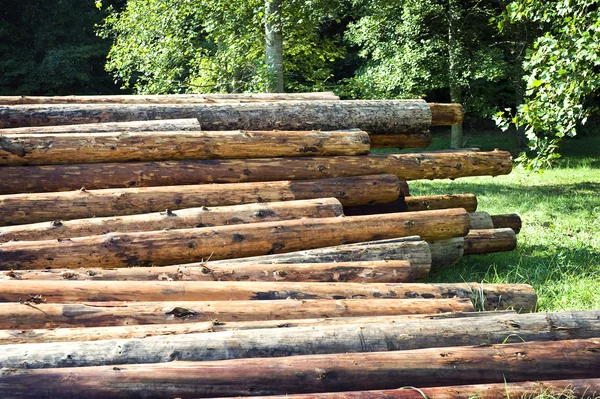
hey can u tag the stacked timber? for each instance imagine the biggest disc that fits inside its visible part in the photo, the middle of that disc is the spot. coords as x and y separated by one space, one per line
239 245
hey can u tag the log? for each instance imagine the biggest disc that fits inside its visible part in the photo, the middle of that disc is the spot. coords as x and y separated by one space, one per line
411 249
446 253
315 373
298 341
495 296
170 247
401 140
512 221
18 179
165 125
153 330
574 388
384 271
373 116
167 99
418 203
480 220
98 314
446 114
490 240
41 207
180 219
76 148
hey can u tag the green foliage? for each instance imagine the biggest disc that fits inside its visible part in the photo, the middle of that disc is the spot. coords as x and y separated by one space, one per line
216 46
562 71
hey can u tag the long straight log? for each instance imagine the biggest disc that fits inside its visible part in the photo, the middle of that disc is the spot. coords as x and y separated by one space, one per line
512 221
350 338
167 99
489 241
446 114
401 140
315 373
574 388
407 203
16 179
34 208
170 247
99 314
38 149
494 296
152 330
384 271
382 116
159 125
180 219
446 253
411 249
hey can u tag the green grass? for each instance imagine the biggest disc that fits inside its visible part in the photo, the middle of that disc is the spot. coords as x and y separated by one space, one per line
558 250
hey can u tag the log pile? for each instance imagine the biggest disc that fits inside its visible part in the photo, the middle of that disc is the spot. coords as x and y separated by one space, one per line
242 245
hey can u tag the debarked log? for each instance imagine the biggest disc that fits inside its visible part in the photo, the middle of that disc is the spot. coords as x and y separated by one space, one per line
180 219
170 247
159 125
401 140
407 203
76 148
298 341
34 208
382 271
18 179
512 221
446 366
97 314
374 116
490 240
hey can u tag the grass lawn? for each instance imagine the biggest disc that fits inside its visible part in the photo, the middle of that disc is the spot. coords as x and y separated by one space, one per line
558 249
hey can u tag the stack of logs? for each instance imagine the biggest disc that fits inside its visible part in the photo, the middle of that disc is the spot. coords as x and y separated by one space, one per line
237 245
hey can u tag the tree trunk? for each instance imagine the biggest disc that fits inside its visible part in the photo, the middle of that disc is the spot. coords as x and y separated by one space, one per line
170 247
34 208
456 135
454 47
446 366
171 98
153 330
168 220
76 148
19 179
400 140
384 271
373 116
411 249
350 338
274 45
490 240
99 314
512 221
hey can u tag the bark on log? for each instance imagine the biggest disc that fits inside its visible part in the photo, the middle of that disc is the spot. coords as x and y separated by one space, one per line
168 98
480 220
164 125
315 373
411 249
401 140
576 388
446 114
16 150
103 314
446 253
18 179
490 240
181 219
373 116
494 296
383 271
270 343
170 247
512 221
407 203
41 207
152 330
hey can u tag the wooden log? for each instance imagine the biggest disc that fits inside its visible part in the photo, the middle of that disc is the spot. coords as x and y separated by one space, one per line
480 220
152 330
401 140
99 314
41 207
574 388
76 148
159 125
446 366
373 116
298 341
407 203
494 296
170 247
167 99
489 241
446 114
411 249
181 219
384 271
512 221
17 179
446 253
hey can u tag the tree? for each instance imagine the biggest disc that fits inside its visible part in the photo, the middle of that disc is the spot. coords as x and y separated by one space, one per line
274 44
